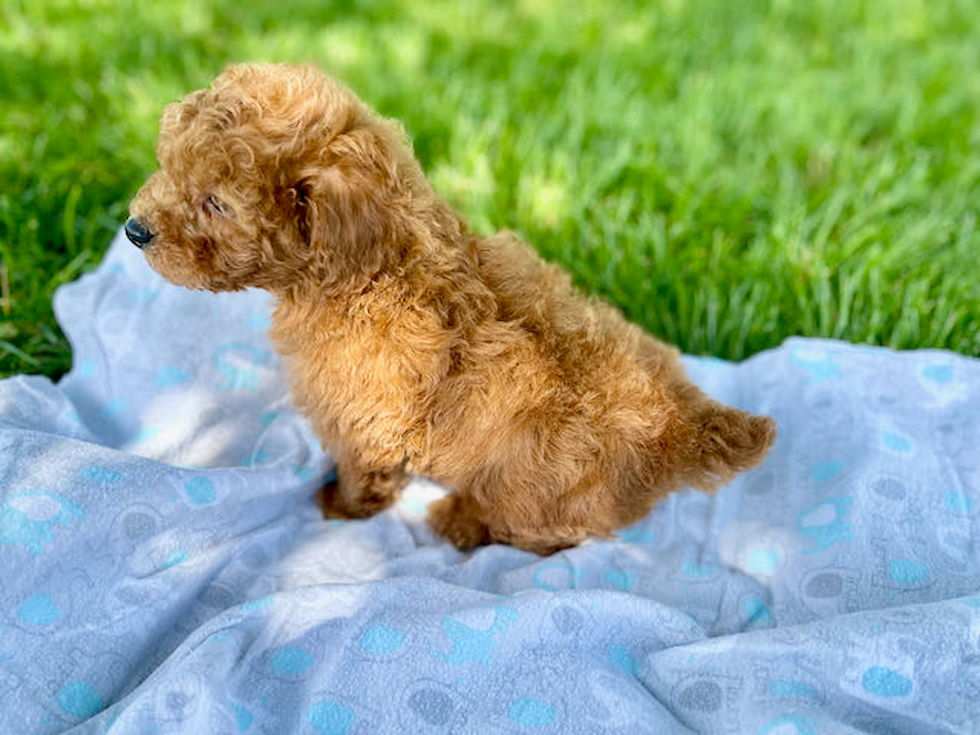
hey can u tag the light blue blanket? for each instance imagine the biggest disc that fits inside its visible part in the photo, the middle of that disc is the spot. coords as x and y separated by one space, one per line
163 568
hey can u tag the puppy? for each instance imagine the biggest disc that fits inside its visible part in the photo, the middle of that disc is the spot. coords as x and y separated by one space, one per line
415 346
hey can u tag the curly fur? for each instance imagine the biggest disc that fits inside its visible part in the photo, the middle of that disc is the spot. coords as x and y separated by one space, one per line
415 346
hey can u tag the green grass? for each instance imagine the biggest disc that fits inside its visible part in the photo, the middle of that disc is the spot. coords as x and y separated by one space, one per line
729 173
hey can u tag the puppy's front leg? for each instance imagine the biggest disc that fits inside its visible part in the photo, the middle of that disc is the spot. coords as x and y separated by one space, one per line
364 486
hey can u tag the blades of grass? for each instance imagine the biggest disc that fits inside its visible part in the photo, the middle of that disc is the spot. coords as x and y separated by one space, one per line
5 304
638 145
848 284
832 210
749 312
19 353
68 217
69 271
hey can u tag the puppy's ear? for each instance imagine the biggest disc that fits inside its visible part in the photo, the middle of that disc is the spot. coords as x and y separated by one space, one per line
344 205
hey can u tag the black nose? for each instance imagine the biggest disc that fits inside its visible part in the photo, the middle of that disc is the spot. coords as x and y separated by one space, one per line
137 232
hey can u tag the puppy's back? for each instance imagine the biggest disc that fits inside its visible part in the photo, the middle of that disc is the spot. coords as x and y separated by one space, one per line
582 333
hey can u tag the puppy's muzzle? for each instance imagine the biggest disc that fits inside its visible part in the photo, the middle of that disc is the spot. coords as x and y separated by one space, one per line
138 233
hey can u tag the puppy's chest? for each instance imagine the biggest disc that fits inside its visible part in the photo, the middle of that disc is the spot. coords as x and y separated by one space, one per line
368 372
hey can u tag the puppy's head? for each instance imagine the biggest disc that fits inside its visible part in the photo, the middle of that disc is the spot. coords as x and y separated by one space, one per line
275 177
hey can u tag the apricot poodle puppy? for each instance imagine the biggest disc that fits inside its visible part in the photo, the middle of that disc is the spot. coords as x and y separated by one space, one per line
415 346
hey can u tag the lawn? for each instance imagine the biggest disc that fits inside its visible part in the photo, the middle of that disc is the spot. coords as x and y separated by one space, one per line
728 173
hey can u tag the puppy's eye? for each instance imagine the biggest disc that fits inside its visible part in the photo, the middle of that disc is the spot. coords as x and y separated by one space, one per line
213 205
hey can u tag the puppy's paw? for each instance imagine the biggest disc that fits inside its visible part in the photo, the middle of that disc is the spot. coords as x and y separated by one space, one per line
328 498
455 518
337 501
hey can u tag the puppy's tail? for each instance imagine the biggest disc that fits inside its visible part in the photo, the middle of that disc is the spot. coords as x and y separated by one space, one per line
706 443
725 442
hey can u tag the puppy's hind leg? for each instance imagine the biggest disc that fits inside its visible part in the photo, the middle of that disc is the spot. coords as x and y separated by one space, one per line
362 488
456 517
471 516
544 541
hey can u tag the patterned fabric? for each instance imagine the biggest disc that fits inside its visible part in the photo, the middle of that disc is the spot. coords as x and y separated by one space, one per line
163 568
